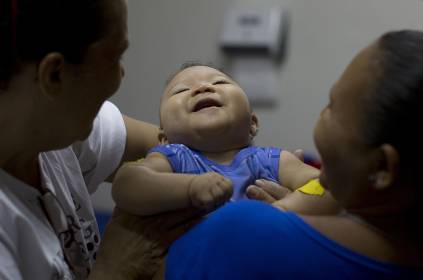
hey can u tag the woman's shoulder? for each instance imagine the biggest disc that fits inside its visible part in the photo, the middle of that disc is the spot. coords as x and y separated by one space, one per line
256 240
361 238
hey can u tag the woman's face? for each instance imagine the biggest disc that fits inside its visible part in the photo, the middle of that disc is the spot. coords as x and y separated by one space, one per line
89 84
346 159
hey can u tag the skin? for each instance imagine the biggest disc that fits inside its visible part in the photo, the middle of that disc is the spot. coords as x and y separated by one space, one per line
49 104
142 243
384 204
231 124
206 110
47 93
385 210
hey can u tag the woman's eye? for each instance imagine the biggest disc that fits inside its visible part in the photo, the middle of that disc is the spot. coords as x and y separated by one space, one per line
330 104
221 82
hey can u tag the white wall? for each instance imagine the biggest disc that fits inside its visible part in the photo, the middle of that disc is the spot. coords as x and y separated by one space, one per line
324 35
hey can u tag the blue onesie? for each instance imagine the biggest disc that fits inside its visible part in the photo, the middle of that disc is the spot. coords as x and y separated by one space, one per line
250 164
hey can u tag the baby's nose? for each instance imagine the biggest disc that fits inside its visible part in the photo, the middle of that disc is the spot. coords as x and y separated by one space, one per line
206 87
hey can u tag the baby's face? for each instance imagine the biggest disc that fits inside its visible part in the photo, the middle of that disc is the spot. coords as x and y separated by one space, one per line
200 103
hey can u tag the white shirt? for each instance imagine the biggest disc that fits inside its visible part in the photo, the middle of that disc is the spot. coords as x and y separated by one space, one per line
29 247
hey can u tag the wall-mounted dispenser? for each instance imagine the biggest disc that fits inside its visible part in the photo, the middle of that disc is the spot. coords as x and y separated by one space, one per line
254 39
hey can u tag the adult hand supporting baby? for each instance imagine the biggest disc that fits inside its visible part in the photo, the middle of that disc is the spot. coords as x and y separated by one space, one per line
134 247
268 191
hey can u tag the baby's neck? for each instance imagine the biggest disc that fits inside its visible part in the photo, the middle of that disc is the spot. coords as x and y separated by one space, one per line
222 157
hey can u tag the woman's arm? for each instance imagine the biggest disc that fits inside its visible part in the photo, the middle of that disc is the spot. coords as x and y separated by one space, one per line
284 199
293 174
307 204
140 138
133 247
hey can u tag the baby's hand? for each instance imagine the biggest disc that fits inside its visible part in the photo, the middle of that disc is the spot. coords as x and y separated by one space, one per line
208 191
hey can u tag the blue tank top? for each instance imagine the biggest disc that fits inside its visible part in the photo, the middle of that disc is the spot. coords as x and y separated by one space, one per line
253 240
250 164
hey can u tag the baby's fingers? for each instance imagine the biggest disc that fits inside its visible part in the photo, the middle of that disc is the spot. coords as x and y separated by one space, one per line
219 196
227 188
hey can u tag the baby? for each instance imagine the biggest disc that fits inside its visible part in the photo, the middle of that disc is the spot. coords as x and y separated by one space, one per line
206 157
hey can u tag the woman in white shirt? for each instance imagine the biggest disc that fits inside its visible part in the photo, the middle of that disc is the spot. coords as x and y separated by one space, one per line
59 62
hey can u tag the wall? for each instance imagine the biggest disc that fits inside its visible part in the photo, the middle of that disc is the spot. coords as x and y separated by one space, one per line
324 35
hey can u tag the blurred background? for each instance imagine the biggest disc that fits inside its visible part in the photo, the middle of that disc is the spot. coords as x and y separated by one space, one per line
322 37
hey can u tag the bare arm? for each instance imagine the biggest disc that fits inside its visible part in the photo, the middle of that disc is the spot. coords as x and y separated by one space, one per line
151 187
140 138
134 247
309 204
296 201
293 173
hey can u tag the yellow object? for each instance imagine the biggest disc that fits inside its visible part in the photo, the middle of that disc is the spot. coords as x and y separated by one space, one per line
313 187
138 161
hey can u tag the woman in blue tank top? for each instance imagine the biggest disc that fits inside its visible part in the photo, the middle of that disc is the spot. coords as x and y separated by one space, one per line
370 156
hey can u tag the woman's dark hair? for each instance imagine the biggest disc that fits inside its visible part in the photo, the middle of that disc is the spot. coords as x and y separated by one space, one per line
392 113
30 29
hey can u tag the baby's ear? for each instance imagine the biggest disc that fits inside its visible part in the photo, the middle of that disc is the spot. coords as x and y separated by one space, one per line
162 137
254 125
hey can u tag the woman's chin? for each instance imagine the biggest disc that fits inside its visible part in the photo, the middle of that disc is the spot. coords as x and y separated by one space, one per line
322 179
84 134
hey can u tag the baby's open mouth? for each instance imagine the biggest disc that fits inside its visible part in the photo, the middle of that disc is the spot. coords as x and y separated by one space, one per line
206 103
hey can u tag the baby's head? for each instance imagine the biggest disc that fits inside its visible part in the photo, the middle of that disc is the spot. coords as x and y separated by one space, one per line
206 110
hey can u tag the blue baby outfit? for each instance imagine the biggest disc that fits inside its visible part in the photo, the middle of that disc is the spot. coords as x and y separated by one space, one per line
250 164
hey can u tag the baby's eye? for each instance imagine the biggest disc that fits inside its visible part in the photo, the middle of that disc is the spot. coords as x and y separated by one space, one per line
180 90
221 82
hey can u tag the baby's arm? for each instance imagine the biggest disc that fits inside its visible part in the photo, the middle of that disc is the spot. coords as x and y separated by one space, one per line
151 187
293 173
